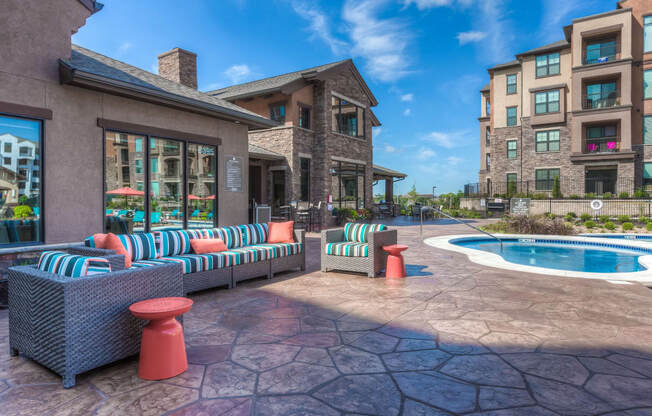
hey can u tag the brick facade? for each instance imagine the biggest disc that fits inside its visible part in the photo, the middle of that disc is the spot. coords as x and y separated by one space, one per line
179 65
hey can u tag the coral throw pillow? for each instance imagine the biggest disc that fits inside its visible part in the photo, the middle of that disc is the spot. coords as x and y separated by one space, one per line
112 242
281 232
207 245
99 240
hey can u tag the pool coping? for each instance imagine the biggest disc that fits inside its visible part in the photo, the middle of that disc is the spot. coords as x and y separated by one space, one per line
494 260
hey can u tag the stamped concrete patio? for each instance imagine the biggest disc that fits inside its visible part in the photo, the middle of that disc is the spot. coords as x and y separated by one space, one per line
453 338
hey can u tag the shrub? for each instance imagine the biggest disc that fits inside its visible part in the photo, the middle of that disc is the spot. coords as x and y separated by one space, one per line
640 193
585 217
609 225
603 218
623 195
556 188
649 226
607 195
550 215
623 219
589 195
574 196
536 224
571 215
589 224
540 196
628 226
22 211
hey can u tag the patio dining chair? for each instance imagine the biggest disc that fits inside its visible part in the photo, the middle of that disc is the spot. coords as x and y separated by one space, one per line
37 211
139 216
109 211
122 212
195 213
155 217
174 213
209 216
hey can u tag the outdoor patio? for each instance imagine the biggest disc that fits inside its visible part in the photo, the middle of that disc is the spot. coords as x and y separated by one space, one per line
453 338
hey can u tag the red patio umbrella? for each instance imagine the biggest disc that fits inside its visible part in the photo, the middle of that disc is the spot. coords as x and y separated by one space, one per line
126 192
210 197
191 196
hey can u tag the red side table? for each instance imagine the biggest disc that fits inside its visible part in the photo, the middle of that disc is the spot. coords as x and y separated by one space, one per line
162 348
395 267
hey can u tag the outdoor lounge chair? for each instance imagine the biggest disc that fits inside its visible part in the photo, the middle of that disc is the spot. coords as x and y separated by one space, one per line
139 216
109 212
174 213
155 217
194 214
209 216
122 212
356 248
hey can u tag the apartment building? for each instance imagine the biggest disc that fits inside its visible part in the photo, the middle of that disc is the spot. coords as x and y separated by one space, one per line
579 109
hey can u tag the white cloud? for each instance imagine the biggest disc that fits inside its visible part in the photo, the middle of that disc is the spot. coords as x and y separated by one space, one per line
407 112
124 47
391 149
319 24
471 36
376 132
429 4
238 73
500 35
426 153
454 160
407 97
554 16
447 140
381 42
153 68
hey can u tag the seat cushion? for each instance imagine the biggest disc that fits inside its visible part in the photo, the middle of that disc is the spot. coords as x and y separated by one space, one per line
65 264
232 236
275 250
347 248
175 242
253 234
359 233
191 263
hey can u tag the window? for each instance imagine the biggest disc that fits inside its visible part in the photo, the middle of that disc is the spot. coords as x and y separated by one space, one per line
304 116
511 183
488 106
511 149
139 145
600 51
24 151
545 179
647 34
647 174
647 84
348 185
601 139
277 112
487 138
511 116
488 161
164 187
546 102
547 141
601 95
304 179
348 118
647 129
124 155
547 64
511 84
16 182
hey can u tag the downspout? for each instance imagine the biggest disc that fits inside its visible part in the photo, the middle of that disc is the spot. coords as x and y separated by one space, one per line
521 141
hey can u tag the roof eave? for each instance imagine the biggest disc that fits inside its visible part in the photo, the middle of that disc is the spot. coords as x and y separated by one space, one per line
374 120
324 74
543 50
72 76
264 156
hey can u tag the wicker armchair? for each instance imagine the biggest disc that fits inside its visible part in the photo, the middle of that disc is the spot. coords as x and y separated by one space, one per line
372 264
75 324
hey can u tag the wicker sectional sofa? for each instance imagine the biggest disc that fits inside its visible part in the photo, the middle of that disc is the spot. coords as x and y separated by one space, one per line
356 248
249 255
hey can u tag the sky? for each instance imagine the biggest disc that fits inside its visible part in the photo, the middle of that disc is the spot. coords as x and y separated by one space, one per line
424 60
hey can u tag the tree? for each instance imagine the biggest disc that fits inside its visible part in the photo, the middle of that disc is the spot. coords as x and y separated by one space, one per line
556 188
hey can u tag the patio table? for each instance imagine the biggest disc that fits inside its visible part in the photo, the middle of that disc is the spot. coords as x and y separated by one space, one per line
395 267
162 347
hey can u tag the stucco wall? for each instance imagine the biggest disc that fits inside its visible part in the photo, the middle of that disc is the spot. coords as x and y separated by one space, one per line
502 100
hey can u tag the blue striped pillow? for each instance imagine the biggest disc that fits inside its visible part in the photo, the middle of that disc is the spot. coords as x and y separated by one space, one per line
141 246
359 233
65 264
231 236
253 234
175 242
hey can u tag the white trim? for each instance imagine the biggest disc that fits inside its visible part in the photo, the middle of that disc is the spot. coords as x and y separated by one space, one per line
494 260
344 159
351 100
305 155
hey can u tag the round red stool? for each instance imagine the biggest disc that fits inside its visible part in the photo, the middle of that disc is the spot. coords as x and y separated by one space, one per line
395 267
162 347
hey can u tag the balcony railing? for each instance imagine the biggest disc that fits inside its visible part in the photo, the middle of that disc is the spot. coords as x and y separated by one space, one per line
601 59
602 102
609 145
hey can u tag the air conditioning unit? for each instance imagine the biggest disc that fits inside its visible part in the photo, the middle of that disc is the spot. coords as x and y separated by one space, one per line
262 214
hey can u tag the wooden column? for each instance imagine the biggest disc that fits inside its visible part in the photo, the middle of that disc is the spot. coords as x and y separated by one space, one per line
389 189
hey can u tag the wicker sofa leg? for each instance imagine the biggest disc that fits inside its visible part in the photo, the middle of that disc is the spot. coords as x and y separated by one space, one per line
68 380
13 352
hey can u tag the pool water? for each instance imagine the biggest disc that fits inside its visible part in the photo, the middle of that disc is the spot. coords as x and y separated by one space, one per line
576 257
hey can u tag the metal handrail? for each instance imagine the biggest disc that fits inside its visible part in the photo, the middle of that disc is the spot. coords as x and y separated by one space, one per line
426 208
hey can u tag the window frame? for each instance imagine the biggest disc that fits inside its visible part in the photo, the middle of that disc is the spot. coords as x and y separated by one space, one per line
338 174
547 141
547 102
338 117
647 71
487 136
515 107
282 104
646 181
301 107
515 149
302 178
41 181
599 41
508 84
487 161
548 180
645 26
647 117
547 65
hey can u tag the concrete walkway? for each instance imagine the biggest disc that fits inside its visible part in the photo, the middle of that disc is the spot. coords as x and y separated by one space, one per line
453 338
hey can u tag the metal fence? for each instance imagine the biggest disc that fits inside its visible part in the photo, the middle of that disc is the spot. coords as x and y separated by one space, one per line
568 187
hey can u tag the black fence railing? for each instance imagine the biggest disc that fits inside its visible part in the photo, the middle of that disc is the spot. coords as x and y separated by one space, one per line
623 187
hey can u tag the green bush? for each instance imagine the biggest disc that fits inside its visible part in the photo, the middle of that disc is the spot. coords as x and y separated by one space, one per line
623 195
540 196
589 195
571 215
607 195
640 193
623 219
628 226
609 225
22 211
589 224
604 218
649 226
574 196
535 224
551 215
556 188
585 217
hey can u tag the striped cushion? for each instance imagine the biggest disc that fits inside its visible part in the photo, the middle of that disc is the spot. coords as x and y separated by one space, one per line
349 249
276 250
141 246
253 234
359 233
65 264
191 263
231 236
89 242
175 242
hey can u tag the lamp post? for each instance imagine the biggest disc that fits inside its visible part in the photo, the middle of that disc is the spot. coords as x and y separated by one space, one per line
433 195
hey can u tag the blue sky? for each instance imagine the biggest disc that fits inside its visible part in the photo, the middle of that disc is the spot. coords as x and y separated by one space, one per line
424 60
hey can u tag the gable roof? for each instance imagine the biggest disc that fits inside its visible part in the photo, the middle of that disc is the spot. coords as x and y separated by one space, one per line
506 65
288 83
90 69
560 44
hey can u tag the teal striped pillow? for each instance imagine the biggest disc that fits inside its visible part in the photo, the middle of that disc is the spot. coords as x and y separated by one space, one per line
141 246
253 234
175 242
359 233
65 264
231 236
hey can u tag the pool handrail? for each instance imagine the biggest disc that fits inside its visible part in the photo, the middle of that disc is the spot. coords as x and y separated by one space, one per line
426 208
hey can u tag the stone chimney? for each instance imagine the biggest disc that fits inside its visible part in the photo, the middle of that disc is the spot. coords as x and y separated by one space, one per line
179 65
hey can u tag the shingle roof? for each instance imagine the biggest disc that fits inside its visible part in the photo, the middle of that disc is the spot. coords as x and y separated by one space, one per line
271 83
560 44
486 88
509 64
263 153
382 171
88 61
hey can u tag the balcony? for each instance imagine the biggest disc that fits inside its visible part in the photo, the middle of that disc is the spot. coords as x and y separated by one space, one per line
607 145
594 103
